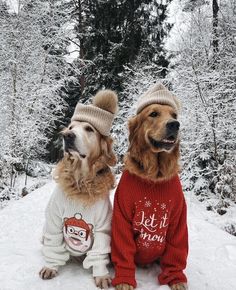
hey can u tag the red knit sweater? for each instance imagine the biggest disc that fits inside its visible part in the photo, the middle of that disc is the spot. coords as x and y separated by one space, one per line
149 224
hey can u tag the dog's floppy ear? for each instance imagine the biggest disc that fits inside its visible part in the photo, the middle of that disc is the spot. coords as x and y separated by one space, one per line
133 125
107 151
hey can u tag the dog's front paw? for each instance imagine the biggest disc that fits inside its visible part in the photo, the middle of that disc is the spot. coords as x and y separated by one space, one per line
179 286
103 282
47 273
124 287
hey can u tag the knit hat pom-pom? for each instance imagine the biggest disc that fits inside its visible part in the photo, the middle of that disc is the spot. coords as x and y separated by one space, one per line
106 100
78 216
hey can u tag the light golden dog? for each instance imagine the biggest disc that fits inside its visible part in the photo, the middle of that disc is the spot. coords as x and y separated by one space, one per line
84 173
87 160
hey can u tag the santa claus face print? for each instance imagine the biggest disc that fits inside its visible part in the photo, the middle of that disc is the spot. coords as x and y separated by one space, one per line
78 234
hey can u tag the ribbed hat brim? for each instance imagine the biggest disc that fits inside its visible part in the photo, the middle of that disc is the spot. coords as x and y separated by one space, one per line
98 118
162 97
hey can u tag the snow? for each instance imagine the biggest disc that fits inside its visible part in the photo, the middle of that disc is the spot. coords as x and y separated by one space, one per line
13 6
32 184
73 52
211 263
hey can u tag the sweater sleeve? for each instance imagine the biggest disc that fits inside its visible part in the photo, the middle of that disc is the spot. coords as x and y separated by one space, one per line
173 261
98 256
54 249
123 244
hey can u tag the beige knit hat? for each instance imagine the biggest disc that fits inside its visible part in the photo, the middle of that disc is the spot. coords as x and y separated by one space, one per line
101 113
158 94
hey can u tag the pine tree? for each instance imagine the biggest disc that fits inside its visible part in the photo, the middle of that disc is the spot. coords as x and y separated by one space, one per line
202 72
32 74
113 34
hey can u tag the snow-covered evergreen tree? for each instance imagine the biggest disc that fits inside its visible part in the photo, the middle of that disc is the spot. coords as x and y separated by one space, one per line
138 78
113 34
32 73
202 52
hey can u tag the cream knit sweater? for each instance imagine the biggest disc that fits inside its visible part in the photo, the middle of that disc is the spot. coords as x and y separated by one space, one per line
72 229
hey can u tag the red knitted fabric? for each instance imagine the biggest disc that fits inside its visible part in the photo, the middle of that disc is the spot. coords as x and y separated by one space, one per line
149 224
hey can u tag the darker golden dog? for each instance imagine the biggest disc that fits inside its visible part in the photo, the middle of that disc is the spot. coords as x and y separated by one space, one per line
154 143
149 215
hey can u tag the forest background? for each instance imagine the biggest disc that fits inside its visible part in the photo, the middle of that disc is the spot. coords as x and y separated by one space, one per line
56 53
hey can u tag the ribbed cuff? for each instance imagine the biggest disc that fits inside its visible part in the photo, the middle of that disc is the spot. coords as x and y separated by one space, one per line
124 275
51 266
123 279
100 270
172 278
177 281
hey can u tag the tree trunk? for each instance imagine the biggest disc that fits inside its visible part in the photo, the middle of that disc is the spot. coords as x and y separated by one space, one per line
13 120
26 170
211 120
81 51
215 34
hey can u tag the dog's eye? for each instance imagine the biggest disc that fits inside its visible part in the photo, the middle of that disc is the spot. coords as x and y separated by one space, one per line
89 129
70 127
174 116
154 114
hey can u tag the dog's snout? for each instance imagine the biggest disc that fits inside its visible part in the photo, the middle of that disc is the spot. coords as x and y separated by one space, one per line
173 125
69 136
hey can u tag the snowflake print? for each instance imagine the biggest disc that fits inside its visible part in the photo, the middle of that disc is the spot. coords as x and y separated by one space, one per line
146 245
147 203
163 206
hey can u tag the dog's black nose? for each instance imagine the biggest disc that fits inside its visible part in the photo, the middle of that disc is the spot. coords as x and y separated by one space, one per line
172 126
69 137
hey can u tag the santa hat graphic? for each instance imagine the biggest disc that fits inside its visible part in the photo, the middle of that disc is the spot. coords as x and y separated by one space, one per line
77 221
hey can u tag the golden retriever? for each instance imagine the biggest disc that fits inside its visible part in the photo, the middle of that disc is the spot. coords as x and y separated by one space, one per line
152 156
84 174
87 160
154 143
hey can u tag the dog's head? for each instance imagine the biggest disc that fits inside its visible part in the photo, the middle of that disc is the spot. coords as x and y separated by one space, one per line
84 172
154 143
87 136
83 142
155 127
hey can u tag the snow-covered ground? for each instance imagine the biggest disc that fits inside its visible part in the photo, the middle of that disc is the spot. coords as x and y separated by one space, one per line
211 263
38 175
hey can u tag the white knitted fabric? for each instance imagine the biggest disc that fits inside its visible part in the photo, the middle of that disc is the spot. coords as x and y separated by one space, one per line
158 94
74 230
98 118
